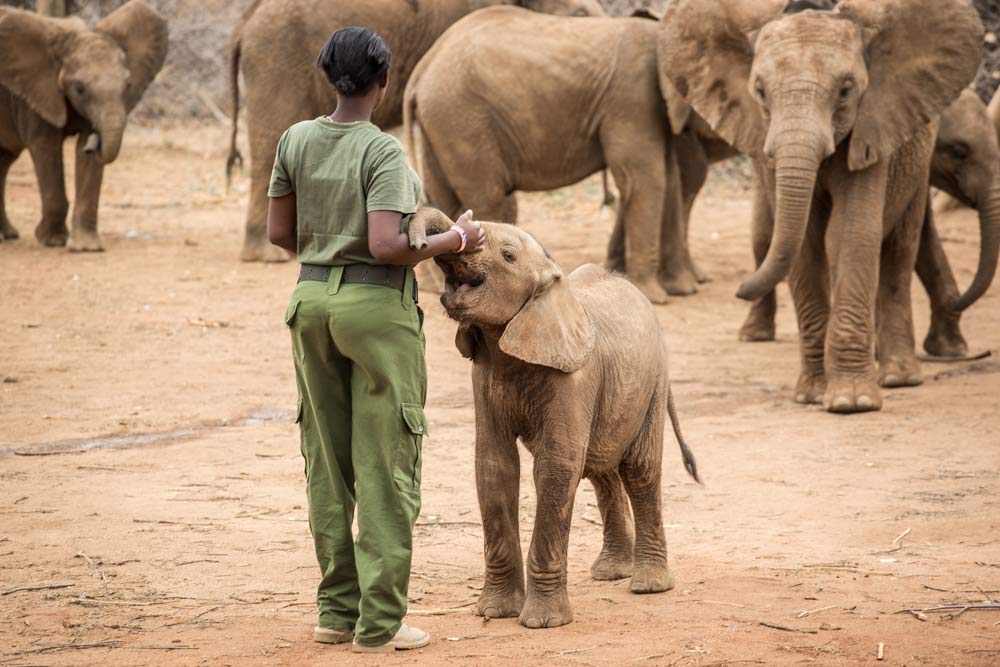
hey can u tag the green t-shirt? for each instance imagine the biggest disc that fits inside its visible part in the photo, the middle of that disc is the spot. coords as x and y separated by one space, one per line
340 172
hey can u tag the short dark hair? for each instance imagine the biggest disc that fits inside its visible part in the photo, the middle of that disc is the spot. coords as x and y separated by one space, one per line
354 59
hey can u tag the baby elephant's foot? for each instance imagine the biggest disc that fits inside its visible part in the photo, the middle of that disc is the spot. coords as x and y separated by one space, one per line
548 611
944 339
8 231
652 577
84 241
901 371
682 283
610 566
650 287
499 603
852 394
810 388
51 237
757 328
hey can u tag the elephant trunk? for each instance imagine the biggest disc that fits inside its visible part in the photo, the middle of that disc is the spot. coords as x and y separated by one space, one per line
989 249
797 161
110 142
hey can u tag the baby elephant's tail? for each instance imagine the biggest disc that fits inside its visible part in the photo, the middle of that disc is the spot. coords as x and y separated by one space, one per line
689 463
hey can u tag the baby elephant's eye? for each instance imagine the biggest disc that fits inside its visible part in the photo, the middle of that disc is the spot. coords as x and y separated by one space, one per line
959 151
508 255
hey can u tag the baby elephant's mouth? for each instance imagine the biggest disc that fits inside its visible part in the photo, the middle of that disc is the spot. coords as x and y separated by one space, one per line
459 278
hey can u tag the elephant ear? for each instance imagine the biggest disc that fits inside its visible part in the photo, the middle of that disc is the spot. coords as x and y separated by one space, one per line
29 63
920 54
142 33
705 48
678 110
467 340
552 329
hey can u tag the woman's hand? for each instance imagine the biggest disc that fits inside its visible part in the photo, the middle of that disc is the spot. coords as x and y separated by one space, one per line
474 234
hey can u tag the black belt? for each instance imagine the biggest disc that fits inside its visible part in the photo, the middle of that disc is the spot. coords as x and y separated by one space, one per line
365 274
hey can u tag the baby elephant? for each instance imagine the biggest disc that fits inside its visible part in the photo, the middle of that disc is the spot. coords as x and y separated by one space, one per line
576 367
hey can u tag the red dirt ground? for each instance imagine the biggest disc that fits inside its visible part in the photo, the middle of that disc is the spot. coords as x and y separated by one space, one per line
191 547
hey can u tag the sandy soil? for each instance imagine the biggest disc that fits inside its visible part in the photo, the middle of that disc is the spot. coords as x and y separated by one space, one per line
188 544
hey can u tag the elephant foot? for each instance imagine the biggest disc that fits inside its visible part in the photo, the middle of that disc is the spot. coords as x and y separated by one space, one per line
944 339
650 287
546 612
682 284
430 278
263 251
497 603
84 241
852 394
651 578
610 566
810 388
53 238
901 371
8 232
757 328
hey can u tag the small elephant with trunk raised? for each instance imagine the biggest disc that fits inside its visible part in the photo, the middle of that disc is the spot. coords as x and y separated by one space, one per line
587 392
60 78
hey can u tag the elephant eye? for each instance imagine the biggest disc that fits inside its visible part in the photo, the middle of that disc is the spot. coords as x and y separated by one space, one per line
845 89
958 151
759 89
78 88
508 255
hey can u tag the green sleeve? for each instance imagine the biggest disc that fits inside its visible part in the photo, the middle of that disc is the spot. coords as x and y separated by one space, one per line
281 182
389 187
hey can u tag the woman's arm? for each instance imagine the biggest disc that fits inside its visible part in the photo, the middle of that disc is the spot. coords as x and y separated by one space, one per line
281 227
388 246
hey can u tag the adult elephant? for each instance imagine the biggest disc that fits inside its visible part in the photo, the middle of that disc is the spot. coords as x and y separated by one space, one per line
838 110
511 100
966 166
276 43
59 78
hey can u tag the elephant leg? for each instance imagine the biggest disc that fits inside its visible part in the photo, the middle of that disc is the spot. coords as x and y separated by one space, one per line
853 242
438 191
896 350
759 324
615 560
7 230
675 263
640 177
46 154
693 163
89 175
616 244
557 473
809 283
498 474
640 471
944 339
263 146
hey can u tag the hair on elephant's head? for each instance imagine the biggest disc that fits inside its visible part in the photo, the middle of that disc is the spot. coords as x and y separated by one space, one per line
101 73
791 87
966 165
511 288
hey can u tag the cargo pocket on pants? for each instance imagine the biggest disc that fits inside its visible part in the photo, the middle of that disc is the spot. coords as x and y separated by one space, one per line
406 468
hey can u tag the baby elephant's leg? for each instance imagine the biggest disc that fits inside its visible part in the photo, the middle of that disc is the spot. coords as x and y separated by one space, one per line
615 561
641 473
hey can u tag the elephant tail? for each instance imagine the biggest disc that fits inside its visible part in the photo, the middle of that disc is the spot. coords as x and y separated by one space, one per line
234 97
689 462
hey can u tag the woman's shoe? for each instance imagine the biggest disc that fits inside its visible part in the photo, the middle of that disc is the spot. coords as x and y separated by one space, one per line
327 636
406 638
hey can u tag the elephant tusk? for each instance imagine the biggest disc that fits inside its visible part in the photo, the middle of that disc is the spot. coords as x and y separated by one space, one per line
93 144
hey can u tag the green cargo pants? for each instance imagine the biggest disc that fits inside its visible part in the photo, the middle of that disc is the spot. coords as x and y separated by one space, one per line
359 367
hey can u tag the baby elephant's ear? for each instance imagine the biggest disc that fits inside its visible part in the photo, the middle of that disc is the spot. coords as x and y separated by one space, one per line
552 329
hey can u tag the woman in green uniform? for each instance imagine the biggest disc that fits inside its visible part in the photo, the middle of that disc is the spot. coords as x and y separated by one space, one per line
341 195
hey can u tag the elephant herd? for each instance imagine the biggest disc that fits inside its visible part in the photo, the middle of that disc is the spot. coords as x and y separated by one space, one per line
850 112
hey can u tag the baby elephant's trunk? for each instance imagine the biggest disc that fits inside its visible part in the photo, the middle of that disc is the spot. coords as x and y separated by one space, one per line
427 221
686 454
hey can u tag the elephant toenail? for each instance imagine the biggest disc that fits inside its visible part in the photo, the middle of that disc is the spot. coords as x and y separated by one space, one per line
892 379
841 402
865 402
